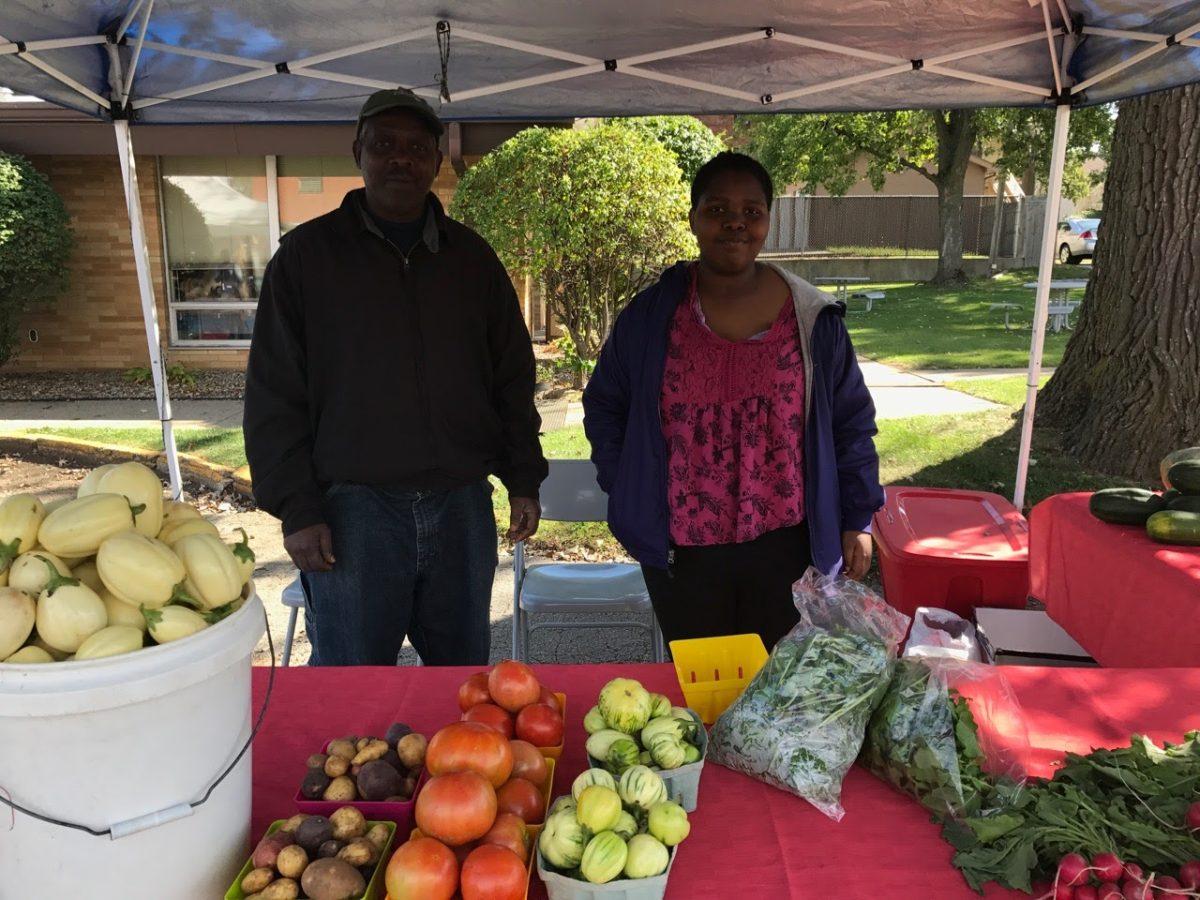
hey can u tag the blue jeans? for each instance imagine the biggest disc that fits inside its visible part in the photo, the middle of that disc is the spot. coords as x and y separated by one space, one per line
416 563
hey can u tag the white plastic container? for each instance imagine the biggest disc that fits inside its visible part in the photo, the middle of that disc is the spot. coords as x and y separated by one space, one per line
130 739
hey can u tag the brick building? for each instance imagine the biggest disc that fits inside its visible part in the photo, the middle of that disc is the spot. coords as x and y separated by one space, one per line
215 199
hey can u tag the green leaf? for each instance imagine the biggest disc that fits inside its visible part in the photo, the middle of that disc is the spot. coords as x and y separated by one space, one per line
152 616
213 616
989 828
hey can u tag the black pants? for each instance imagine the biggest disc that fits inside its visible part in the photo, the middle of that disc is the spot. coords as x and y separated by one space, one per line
731 588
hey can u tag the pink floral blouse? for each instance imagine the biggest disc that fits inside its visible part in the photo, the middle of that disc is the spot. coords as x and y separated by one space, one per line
733 419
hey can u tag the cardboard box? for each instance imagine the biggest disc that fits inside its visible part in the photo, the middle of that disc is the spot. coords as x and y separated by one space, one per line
1026 637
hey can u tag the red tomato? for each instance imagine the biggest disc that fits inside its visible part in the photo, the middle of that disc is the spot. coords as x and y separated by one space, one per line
422 869
547 698
456 808
540 725
523 799
513 685
491 715
474 691
493 873
470 747
528 762
509 831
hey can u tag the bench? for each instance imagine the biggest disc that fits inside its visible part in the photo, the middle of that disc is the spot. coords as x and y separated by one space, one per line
1008 308
869 296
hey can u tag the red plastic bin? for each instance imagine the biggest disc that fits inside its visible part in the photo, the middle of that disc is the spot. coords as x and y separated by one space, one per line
952 549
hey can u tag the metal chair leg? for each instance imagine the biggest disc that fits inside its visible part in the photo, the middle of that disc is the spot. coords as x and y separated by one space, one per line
287 641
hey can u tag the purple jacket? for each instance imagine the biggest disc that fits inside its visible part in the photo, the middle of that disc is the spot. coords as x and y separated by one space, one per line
623 423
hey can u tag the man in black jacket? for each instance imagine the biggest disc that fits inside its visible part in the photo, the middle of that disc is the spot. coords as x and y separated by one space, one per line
389 375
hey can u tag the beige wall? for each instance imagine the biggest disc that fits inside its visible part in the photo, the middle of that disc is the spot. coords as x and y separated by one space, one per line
910 183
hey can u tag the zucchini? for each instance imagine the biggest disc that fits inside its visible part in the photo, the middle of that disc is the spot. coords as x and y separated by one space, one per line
1124 506
1173 457
1174 527
1184 503
1185 476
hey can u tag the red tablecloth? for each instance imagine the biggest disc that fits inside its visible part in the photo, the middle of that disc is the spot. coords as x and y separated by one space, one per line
1127 600
747 839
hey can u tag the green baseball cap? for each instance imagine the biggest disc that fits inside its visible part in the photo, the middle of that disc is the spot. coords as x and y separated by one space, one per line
402 99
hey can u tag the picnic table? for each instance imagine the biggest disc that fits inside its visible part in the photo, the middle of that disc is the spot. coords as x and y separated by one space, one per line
1061 306
747 838
842 289
1127 600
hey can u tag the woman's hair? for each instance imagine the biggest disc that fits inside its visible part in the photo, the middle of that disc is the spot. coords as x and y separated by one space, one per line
728 161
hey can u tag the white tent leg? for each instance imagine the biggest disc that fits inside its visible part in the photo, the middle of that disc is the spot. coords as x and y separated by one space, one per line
1058 156
141 258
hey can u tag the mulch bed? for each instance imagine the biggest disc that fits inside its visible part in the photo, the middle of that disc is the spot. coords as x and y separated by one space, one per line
110 384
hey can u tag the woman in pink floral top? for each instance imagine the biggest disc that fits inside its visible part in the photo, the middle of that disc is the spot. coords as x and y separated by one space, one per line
735 407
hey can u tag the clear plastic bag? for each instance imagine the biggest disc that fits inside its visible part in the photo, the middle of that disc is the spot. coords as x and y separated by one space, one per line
799 724
939 632
945 731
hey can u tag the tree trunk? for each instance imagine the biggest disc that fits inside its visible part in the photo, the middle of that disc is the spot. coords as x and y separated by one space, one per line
956 136
1128 389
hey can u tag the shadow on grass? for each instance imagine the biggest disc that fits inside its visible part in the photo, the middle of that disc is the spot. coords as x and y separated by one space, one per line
992 464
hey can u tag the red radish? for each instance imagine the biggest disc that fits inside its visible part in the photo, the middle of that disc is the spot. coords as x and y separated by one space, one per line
1193 816
1137 890
1072 870
1085 892
1063 891
1108 867
1134 871
1110 891
1166 883
1189 874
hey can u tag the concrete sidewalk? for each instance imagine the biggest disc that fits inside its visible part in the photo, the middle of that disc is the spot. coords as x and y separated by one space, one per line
898 394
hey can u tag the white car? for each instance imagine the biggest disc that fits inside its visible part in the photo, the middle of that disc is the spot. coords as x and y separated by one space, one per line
1077 240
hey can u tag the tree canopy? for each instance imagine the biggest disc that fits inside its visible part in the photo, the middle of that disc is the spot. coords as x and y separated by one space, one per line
690 140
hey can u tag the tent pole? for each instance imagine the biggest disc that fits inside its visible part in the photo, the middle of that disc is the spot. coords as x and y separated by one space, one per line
141 258
1058 156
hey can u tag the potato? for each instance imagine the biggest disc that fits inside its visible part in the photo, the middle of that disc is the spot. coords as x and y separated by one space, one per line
317 760
359 852
329 849
332 879
293 823
408 786
283 889
337 766
395 732
341 790
378 835
257 879
352 738
314 785
362 743
291 861
344 747
411 750
268 849
378 781
313 832
396 798
348 823
370 752
392 758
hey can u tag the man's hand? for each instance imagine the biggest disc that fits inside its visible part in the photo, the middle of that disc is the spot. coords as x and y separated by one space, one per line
524 515
856 554
311 548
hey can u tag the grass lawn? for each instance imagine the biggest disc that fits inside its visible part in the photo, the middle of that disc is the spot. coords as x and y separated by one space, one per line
977 451
1007 391
922 327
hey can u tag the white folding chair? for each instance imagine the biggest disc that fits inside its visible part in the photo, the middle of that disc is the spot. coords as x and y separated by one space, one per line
293 599
571 494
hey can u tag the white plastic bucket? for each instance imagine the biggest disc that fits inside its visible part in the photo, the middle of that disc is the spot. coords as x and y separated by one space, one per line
108 741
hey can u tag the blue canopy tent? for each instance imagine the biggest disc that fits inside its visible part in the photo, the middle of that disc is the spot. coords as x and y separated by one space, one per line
145 62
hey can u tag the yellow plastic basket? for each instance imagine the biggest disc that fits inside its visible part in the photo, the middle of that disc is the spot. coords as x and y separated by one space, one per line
713 672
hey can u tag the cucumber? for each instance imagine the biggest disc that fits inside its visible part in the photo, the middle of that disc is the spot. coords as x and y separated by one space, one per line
1173 457
1184 503
1174 527
1185 476
1124 506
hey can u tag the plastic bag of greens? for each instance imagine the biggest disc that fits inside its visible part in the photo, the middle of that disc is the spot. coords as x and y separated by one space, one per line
942 728
799 724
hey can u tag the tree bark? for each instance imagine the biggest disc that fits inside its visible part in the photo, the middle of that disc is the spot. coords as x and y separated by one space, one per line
956 136
1128 389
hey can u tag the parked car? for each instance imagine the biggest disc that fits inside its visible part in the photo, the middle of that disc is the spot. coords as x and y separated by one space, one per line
1077 240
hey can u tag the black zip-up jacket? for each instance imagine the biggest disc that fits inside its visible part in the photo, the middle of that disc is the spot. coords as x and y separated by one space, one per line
373 367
